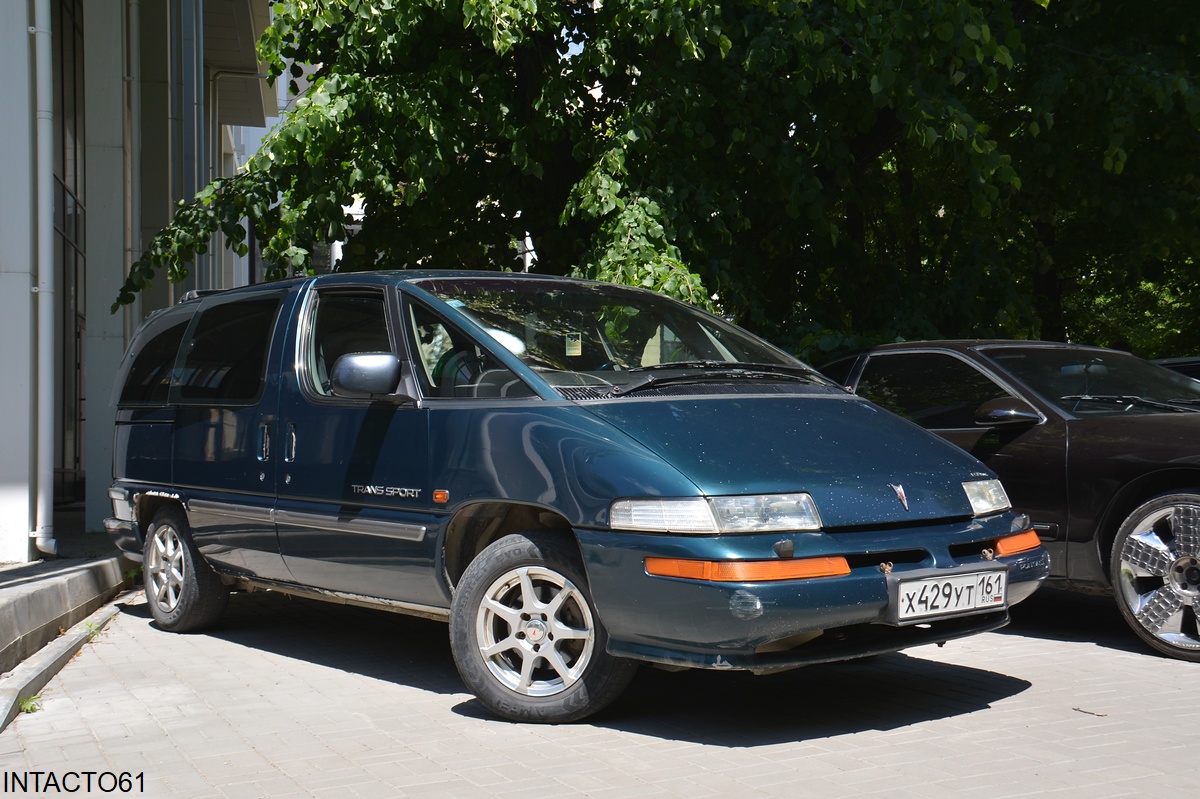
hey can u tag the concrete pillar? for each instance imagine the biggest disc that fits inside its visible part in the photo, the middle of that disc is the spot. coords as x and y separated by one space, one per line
191 155
107 230
157 135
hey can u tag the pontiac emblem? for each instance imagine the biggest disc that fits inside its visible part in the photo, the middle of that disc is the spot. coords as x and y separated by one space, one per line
899 489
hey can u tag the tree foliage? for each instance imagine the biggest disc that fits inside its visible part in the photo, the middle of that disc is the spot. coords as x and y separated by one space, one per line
834 172
1110 109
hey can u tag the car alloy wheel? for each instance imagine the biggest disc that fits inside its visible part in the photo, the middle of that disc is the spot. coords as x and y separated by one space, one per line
165 568
535 631
1156 574
526 637
183 591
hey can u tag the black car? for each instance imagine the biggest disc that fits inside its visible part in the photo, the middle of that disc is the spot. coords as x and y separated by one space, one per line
1100 448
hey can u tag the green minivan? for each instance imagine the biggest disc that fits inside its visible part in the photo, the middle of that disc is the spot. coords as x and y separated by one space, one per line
577 476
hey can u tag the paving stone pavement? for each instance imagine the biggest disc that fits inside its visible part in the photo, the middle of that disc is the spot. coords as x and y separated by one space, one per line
291 698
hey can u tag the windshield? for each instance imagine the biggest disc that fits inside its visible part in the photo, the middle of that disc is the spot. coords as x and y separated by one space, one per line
585 334
1094 382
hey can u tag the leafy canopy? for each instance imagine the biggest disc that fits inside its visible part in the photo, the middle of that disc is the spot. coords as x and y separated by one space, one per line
875 168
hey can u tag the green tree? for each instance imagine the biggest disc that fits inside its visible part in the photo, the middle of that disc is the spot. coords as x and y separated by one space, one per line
834 172
690 146
1109 120
1098 122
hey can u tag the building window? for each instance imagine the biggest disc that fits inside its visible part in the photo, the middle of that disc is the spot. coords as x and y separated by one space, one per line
70 218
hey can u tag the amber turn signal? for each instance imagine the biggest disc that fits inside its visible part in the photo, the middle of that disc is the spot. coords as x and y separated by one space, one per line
747 571
1021 542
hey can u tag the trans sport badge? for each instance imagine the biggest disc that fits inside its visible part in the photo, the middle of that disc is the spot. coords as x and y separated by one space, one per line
899 489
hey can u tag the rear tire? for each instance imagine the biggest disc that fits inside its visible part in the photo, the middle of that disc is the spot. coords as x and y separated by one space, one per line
526 636
183 591
1155 571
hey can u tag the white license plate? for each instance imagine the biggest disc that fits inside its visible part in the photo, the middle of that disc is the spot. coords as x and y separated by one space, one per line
947 596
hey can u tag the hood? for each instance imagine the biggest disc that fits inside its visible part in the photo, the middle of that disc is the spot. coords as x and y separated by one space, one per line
847 453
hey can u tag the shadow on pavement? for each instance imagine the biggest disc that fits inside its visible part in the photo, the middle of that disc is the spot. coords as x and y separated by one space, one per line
723 708
1054 614
739 709
374 643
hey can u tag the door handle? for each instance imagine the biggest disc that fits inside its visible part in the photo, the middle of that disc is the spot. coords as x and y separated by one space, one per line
264 441
289 443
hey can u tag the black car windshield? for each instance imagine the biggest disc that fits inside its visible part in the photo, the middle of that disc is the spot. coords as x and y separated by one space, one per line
608 336
1093 382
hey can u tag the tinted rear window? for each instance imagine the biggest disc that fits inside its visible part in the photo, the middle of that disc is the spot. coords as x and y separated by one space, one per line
148 380
225 361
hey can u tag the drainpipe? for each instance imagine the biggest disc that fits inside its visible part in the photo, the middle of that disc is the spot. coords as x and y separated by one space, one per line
43 533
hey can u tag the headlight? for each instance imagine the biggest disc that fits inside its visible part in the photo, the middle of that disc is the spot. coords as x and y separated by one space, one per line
690 515
764 514
752 514
987 496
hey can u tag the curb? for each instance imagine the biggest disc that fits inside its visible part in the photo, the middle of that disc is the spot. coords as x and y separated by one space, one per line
32 674
37 602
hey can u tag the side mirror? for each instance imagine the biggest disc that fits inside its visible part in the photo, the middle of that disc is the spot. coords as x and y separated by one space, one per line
367 375
1006 411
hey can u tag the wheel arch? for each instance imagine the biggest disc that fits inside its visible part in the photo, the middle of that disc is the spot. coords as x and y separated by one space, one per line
147 506
476 526
1133 495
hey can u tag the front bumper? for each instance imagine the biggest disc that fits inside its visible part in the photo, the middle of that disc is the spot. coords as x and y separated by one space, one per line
772 626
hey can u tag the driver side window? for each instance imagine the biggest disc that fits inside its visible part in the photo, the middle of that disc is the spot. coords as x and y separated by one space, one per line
344 323
934 390
451 364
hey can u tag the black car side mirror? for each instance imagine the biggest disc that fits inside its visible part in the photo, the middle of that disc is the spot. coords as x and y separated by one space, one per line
369 375
1006 411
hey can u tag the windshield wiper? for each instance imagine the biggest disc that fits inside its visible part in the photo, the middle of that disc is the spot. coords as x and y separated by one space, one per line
713 375
776 368
682 365
1131 399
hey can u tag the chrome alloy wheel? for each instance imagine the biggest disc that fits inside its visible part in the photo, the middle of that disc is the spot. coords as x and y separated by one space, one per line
535 631
1158 576
165 568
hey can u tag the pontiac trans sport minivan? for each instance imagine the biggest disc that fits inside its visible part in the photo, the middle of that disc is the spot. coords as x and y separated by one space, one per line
576 476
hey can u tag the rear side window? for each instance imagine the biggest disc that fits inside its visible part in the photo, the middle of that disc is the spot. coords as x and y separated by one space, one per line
148 379
225 361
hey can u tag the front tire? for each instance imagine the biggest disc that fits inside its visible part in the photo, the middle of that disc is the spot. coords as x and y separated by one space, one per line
183 591
1155 570
526 636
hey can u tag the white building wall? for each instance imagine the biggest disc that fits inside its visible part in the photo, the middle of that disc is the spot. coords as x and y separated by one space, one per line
134 174
17 278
